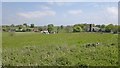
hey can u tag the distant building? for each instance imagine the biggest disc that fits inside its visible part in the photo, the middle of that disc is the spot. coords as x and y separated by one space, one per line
45 32
88 27
91 28
35 30
95 29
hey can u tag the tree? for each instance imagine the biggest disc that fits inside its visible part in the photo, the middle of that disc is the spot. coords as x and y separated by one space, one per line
81 25
25 24
12 25
118 28
115 29
32 26
68 29
58 29
40 28
44 28
102 26
28 29
109 28
50 28
77 28
98 26
61 26
20 26
7 29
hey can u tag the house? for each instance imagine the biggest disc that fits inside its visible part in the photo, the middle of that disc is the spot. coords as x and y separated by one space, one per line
35 30
88 27
45 32
91 28
95 29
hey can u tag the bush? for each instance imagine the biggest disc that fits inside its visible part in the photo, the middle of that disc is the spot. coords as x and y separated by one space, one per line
4 30
12 33
77 29
28 30
23 30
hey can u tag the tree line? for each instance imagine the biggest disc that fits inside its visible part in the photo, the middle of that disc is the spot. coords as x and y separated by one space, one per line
62 29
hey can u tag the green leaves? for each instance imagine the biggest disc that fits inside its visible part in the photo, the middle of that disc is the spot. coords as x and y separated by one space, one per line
77 29
50 28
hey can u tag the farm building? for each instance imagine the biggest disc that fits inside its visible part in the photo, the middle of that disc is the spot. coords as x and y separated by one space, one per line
45 32
35 30
91 28
95 29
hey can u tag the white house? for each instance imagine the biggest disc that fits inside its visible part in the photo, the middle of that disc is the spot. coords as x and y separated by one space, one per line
91 28
96 29
45 32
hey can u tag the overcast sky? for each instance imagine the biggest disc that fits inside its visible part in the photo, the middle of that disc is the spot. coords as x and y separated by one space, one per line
59 13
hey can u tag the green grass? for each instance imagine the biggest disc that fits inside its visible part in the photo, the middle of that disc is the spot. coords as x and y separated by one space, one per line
60 49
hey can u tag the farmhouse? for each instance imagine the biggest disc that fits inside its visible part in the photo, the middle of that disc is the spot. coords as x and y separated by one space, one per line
45 32
95 29
35 29
91 28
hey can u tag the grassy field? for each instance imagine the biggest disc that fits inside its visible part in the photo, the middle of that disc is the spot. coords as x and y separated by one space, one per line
89 49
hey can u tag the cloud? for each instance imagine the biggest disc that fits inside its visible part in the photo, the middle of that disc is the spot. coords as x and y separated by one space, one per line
45 7
60 3
56 3
112 10
37 14
75 12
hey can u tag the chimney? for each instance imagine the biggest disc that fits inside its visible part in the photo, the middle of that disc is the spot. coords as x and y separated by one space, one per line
90 28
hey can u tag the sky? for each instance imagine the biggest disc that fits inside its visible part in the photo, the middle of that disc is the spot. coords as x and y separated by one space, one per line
59 13
60 0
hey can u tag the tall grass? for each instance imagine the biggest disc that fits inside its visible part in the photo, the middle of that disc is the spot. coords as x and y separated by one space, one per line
60 49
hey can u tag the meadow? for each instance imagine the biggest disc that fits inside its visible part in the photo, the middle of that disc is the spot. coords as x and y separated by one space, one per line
63 49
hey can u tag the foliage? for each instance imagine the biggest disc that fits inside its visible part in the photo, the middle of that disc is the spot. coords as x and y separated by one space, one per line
25 24
61 26
69 29
50 28
118 28
40 28
58 29
28 30
102 26
32 26
77 28
109 27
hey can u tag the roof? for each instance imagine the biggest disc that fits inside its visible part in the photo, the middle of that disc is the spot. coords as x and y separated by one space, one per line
96 27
